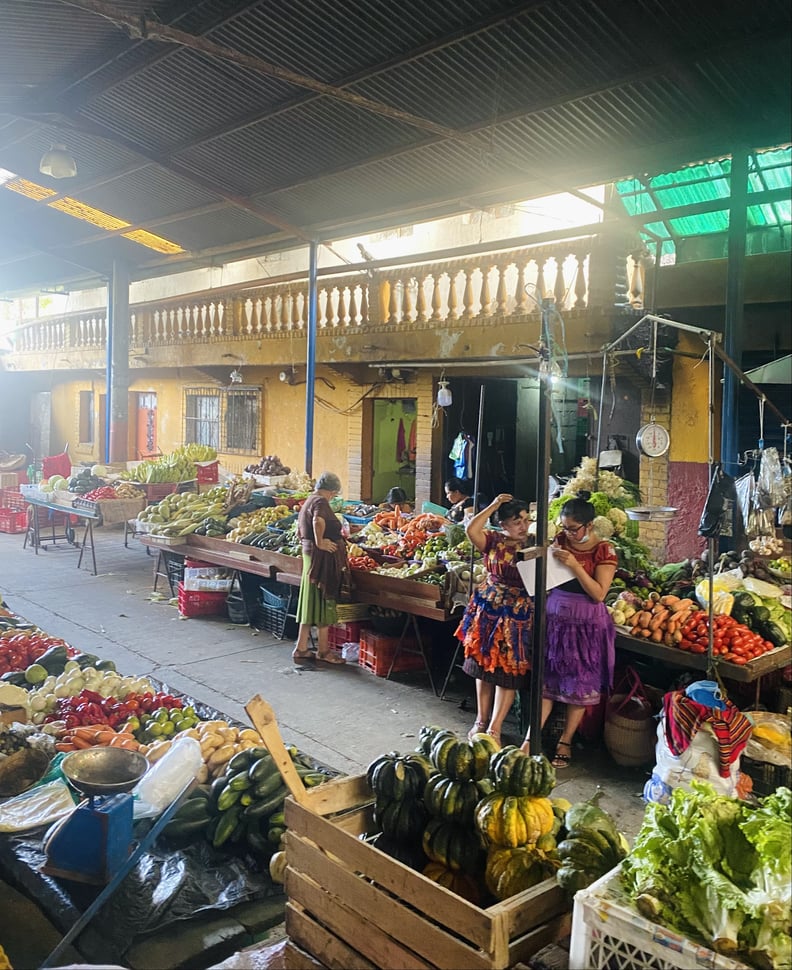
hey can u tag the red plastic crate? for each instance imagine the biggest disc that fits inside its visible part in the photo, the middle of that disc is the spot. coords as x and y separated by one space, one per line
208 473
13 521
342 633
12 498
377 650
201 603
197 564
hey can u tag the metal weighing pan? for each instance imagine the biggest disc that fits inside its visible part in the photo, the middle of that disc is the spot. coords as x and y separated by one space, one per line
104 771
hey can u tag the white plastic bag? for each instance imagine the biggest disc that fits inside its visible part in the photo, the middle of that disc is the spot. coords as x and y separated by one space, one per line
699 760
37 806
165 780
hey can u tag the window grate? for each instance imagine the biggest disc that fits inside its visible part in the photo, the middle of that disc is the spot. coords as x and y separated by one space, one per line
228 420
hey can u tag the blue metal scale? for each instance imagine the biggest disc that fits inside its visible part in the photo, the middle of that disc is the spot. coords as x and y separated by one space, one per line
92 843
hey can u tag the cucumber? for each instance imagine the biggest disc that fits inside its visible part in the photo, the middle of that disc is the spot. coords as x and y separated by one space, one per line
228 798
192 809
240 762
266 806
275 834
239 781
226 826
185 831
256 754
261 769
278 818
269 785
258 843
216 789
314 778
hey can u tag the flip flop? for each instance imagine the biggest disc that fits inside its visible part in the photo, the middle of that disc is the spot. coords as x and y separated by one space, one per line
330 657
303 657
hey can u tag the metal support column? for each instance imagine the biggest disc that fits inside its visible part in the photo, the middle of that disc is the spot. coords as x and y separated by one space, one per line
735 304
310 369
542 479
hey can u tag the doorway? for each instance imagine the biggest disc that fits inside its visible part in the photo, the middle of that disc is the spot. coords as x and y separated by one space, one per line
146 425
393 431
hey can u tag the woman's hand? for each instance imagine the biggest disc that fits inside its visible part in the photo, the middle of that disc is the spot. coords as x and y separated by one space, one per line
565 557
501 499
327 545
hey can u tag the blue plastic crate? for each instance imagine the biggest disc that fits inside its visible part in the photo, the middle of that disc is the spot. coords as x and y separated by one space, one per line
273 600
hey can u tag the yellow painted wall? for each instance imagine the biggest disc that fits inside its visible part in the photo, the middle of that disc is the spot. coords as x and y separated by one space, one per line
66 420
690 407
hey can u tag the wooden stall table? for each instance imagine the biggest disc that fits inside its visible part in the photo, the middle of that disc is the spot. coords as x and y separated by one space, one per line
39 533
751 672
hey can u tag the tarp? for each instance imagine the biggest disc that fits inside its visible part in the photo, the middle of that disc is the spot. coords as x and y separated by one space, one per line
776 372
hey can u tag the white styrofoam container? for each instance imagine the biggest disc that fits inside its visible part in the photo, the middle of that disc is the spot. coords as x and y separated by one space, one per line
207 579
266 479
608 931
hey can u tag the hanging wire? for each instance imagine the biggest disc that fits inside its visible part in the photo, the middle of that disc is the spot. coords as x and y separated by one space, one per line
761 423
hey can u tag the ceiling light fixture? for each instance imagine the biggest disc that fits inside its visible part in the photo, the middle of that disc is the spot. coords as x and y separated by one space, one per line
58 163
236 376
444 396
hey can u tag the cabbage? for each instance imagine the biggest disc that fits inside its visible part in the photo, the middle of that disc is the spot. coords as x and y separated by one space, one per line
99 470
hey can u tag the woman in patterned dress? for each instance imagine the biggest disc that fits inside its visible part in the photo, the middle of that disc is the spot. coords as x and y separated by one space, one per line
580 638
497 626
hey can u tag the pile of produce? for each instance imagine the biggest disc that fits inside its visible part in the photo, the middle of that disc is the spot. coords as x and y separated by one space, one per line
178 466
20 649
268 465
183 513
250 524
479 820
718 870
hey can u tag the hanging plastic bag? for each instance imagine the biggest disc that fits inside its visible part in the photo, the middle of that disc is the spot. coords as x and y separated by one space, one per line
770 486
745 490
716 517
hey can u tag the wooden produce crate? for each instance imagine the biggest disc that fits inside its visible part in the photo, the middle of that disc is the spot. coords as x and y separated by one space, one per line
350 905
422 599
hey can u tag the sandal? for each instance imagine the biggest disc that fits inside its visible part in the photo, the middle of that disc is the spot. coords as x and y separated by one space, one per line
301 657
495 735
329 657
562 760
479 727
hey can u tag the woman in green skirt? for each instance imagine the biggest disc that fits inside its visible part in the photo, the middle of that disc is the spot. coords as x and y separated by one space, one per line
324 565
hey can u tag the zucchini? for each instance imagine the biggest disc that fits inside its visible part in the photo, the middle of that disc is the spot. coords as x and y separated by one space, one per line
239 781
771 631
185 831
227 825
261 769
240 762
266 806
192 810
269 785
228 798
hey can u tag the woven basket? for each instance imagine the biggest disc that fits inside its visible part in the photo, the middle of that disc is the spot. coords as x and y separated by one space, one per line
630 726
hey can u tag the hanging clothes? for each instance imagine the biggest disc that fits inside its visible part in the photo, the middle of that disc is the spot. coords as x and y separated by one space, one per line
462 455
684 717
412 447
401 442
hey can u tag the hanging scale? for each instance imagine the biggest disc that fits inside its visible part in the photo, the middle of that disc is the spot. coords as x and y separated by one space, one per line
653 440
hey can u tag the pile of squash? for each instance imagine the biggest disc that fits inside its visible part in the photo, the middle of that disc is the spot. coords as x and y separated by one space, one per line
479 820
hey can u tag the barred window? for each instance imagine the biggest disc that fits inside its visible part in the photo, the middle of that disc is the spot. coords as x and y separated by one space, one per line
228 420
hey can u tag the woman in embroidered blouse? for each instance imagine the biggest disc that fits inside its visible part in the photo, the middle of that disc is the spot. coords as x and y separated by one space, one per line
580 637
497 626
460 494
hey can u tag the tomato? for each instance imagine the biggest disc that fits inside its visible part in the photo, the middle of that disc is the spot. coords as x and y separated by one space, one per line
740 661
698 648
684 644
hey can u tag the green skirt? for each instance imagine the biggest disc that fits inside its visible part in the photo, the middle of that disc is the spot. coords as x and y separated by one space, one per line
313 607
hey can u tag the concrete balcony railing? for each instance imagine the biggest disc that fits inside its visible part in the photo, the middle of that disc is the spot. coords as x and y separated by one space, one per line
474 290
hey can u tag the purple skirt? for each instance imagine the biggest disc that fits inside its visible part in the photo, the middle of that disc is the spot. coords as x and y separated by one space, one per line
579 649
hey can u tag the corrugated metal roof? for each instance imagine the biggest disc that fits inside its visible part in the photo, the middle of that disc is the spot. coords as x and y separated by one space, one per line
453 105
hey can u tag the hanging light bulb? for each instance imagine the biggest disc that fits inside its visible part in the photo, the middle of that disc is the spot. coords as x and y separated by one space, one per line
444 396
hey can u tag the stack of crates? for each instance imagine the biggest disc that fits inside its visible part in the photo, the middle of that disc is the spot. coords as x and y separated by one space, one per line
341 633
13 511
200 602
377 652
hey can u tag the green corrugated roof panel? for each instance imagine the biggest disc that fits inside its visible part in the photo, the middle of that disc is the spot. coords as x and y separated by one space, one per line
705 182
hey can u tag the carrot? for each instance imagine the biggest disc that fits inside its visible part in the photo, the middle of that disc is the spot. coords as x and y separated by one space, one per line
656 636
685 604
88 731
657 620
64 746
669 600
82 743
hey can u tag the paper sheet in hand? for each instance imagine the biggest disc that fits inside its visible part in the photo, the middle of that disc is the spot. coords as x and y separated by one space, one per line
555 575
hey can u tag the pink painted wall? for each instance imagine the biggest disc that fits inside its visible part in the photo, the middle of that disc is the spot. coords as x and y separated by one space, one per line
688 484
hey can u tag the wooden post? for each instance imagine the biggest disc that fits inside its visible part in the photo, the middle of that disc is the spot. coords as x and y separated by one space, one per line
263 720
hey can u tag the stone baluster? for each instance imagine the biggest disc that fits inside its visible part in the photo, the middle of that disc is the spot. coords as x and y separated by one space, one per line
501 296
467 295
277 308
364 303
221 309
520 296
453 302
342 309
580 280
353 307
393 303
559 290
420 296
485 298
249 316
437 296
540 280
266 305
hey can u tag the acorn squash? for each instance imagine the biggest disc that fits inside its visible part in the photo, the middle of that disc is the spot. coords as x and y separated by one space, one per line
517 773
513 820
393 776
453 845
458 882
452 800
463 759
510 871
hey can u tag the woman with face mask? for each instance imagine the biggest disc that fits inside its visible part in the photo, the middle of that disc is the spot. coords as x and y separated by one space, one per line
580 637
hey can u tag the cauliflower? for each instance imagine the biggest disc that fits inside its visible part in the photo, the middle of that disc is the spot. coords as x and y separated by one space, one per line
603 527
619 519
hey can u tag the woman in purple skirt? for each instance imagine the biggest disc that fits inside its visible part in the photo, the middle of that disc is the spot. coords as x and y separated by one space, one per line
579 643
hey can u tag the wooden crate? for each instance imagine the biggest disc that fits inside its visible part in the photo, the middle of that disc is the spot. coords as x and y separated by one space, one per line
350 905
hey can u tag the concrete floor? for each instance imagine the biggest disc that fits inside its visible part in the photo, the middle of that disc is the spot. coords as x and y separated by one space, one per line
342 716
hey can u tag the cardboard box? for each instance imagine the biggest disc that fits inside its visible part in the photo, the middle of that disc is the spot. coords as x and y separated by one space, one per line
13 715
350 905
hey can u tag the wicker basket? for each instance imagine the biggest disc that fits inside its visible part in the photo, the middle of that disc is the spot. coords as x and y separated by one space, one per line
630 726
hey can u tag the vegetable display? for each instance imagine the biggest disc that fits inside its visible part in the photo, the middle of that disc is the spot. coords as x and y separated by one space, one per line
719 870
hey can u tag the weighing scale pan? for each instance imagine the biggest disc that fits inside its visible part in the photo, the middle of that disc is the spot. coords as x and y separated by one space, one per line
651 513
104 771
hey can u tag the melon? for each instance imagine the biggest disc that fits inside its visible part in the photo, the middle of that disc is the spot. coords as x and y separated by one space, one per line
99 470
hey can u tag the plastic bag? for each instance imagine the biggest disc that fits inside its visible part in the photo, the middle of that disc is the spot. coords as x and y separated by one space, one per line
770 486
716 517
771 739
722 599
164 781
699 761
745 490
37 806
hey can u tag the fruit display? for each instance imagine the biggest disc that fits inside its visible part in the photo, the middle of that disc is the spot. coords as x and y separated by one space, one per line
84 482
781 566
591 846
252 523
268 465
126 490
175 467
182 513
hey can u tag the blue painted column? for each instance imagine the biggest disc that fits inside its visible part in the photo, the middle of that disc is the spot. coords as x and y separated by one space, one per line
310 369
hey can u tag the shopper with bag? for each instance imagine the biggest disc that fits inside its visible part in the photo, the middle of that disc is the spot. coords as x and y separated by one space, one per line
580 638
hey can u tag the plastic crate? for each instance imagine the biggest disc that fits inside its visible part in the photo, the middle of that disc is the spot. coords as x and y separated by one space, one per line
200 602
207 473
341 633
13 521
608 932
766 777
12 498
377 652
